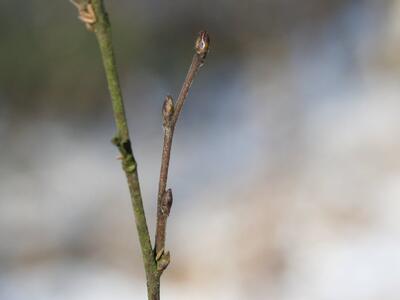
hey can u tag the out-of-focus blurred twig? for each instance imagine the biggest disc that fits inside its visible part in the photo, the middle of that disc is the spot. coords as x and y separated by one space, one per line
93 14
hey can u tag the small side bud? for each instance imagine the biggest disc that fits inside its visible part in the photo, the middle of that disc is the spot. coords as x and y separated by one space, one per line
202 44
159 254
163 261
130 168
168 111
166 202
116 140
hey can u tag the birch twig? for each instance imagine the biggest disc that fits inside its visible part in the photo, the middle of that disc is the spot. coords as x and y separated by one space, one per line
93 14
171 114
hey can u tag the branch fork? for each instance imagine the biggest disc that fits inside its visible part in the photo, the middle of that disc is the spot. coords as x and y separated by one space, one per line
93 14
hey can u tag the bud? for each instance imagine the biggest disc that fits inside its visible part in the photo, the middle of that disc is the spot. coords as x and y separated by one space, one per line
163 261
166 202
168 110
202 44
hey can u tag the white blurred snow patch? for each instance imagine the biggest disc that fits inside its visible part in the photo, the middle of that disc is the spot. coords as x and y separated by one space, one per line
366 267
70 280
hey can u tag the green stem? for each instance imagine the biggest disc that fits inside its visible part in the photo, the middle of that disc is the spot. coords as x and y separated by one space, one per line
102 30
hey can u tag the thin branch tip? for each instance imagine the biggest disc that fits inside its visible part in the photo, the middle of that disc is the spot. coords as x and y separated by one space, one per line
171 112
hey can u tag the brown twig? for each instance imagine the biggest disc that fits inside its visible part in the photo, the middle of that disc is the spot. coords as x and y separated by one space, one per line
171 114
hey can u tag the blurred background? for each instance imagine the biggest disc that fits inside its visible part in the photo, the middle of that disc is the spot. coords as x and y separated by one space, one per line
285 165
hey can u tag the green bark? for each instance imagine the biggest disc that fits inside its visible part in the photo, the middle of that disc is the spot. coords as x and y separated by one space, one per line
102 30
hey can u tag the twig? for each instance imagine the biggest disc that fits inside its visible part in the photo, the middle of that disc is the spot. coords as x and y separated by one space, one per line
171 114
94 16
